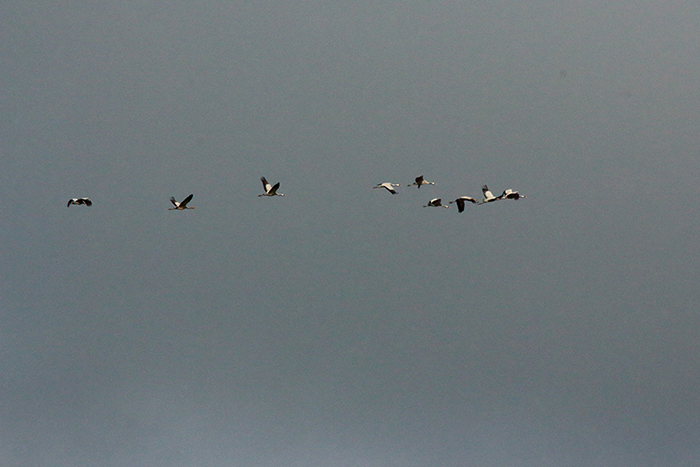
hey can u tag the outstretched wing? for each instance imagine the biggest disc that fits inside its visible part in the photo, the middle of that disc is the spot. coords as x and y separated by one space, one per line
266 186
186 200
460 204
87 201
389 187
273 190
172 200
70 201
419 181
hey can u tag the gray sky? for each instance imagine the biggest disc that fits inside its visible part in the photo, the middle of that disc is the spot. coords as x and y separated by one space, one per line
341 325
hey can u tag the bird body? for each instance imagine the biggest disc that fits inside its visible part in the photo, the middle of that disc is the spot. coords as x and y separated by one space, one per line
389 187
462 199
270 190
436 203
488 196
85 201
420 181
182 205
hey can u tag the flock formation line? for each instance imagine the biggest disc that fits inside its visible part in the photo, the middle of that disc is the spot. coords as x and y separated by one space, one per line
271 190
437 202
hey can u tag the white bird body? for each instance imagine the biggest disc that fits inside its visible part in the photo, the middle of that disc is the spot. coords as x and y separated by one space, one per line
436 203
182 205
510 194
270 190
462 199
85 201
488 196
389 187
420 181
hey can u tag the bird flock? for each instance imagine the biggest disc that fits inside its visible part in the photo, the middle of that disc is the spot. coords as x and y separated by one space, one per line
271 190
461 201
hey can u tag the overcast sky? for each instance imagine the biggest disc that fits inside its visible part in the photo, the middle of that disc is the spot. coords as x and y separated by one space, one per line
341 325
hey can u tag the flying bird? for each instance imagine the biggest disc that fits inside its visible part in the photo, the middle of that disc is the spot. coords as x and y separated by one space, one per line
419 181
181 205
436 203
389 186
270 190
488 196
85 201
462 199
510 194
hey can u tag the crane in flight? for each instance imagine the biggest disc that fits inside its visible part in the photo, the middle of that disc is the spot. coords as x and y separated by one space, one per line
420 181
510 194
270 190
79 201
436 203
464 199
389 187
488 196
182 205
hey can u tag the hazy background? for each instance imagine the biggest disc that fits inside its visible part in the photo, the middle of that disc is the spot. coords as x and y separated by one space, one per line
341 325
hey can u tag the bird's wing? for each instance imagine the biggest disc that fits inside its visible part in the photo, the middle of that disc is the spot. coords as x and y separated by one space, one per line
186 200
484 190
70 201
87 201
266 186
460 204
172 200
273 190
391 189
